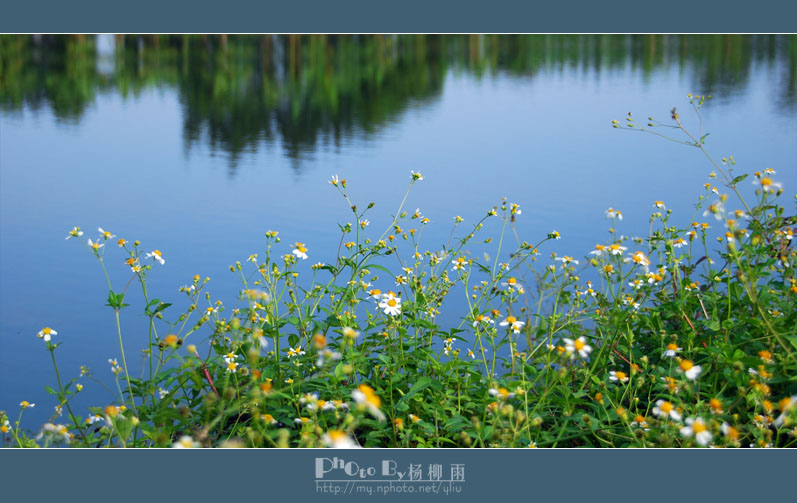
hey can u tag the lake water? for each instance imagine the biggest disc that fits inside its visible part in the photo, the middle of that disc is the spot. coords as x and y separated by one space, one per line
198 145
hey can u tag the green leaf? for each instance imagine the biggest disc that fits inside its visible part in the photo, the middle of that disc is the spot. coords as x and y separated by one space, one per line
378 267
161 307
116 300
339 371
421 384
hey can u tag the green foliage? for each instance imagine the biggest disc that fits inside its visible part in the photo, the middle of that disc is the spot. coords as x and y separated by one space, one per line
674 340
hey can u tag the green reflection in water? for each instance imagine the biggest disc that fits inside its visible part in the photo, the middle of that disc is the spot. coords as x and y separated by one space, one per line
238 91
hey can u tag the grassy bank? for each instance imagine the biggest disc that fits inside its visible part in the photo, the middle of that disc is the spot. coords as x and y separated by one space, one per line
684 337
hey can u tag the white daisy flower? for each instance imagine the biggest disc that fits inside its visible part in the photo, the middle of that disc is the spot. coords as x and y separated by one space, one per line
297 351
512 283
640 422
664 409
93 419
185 442
567 260
786 405
365 397
157 255
598 251
74 233
483 320
640 259
95 245
768 185
579 345
618 375
691 370
105 234
671 351
57 432
513 323
501 393
300 250
45 333
459 264
616 249
337 439
697 427
391 304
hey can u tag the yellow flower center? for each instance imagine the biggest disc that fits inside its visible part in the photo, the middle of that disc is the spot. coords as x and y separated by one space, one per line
391 303
766 182
578 344
157 252
699 426
511 281
370 397
620 375
47 330
686 365
511 319
672 347
639 419
666 407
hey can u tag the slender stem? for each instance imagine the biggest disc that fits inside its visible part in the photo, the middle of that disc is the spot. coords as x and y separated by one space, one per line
62 396
124 362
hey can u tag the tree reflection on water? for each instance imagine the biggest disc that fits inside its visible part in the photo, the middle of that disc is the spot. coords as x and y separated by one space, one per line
238 91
